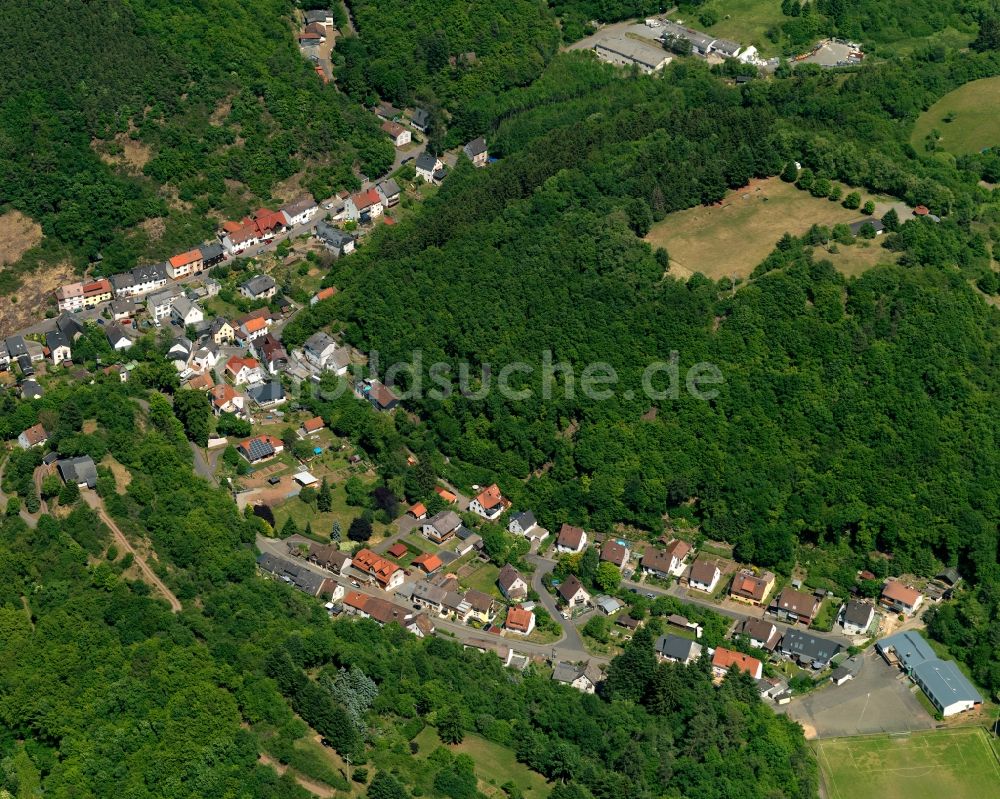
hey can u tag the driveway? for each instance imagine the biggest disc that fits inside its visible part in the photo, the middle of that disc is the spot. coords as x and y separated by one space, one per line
878 700
571 646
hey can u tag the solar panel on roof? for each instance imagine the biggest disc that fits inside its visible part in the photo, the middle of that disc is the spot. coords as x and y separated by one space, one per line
260 449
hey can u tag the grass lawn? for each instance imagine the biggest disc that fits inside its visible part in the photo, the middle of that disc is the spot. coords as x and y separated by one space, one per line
853 259
747 22
484 579
959 764
322 523
735 236
495 764
976 125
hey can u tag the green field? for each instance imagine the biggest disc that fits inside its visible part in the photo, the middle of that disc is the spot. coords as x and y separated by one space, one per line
976 123
732 237
495 764
958 764
748 21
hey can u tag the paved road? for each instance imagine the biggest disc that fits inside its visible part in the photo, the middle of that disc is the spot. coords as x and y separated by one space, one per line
559 650
205 463
571 647
95 502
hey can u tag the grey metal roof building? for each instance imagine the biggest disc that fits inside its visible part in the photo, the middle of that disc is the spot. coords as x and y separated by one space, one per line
292 573
676 648
947 688
909 647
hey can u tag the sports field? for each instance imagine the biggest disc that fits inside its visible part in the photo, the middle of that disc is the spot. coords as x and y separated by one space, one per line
957 764
732 237
976 120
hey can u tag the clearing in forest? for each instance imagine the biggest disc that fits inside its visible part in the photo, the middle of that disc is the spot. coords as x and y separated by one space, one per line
974 114
734 236
959 764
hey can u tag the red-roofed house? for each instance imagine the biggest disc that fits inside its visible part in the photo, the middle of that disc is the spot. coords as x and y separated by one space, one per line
364 206
667 562
489 503
613 552
312 426
418 511
187 263
386 574
725 659
244 370
32 437
400 136
901 598
446 495
226 399
427 562
520 621
322 294
397 550
260 448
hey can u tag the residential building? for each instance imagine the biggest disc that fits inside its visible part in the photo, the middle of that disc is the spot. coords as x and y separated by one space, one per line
30 390
59 348
572 593
32 437
244 370
428 167
320 16
520 621
225 399
615 552
400 136
384 573
476 152
76 296
117 338
725 659
446 495
337 241
260 448
80 471
186 312
512 585
571 540
251 329
761 634
212 253
428 597
489 503
608 605
180 352
418 511
381 611
378 394
319 349
295 574
427 562
310 426
704 575
221 332
364 206
420 119
239 237
141 280
322 294
795 606
68 325
856 617
666 563
584 677
675 649
259 287
329 557
389 192
160 304
271 353
627 52
269 394
808 649
522 523
386 110
441 526
901 598
123 308
186 263
751 588
299 211
482 606
876 225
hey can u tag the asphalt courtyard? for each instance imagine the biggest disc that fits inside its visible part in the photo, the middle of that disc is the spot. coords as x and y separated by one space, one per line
878 699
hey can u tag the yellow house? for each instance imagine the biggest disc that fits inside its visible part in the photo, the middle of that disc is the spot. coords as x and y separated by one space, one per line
751 588
223 332
482 606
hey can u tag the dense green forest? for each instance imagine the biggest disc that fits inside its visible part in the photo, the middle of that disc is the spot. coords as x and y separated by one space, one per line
216 94
105 691
444 56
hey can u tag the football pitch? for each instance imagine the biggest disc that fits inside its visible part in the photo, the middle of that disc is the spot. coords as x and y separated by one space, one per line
958 764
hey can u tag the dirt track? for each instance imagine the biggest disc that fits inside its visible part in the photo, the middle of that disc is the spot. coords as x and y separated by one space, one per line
148 574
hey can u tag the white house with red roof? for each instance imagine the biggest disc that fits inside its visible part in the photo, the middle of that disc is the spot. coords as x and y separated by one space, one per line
364 206
489 503
244 370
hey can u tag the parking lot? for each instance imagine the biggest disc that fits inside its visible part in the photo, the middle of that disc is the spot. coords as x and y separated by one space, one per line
878 699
